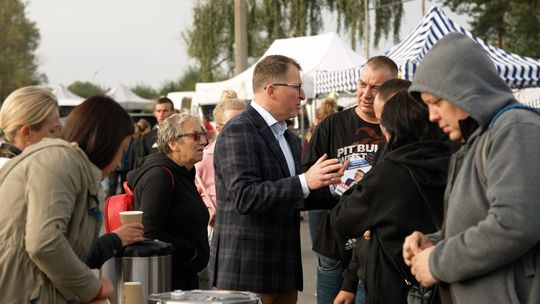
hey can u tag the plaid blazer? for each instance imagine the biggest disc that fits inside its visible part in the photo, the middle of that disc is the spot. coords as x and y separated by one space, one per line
256 242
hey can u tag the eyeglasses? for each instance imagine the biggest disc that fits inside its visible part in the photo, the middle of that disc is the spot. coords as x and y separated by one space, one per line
195 135
297 86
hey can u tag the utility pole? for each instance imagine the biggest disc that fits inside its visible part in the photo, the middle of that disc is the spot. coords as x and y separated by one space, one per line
423 7
366 22
240 36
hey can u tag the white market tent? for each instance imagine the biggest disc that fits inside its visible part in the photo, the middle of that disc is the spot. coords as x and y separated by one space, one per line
65 97
529 96
517 71
129 100
324 52
178 98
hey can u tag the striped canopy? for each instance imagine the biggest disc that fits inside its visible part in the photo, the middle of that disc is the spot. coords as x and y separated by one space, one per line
517 71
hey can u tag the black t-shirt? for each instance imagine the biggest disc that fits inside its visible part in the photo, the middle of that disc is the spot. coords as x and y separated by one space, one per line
341 135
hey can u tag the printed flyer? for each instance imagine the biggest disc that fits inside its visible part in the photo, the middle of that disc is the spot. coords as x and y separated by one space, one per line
356 169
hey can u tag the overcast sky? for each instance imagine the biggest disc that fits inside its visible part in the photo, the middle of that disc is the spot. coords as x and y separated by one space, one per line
134 41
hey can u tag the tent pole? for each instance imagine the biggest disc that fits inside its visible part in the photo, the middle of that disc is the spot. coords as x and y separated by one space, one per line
240 36
366 22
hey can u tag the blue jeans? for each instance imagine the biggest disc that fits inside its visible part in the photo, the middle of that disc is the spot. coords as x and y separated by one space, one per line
360 293
329 280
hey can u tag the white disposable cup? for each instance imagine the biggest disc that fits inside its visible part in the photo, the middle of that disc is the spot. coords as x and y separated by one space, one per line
128 217
132 293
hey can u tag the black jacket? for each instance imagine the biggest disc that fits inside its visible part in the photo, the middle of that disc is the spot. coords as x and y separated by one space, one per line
145 146
388 202
174 213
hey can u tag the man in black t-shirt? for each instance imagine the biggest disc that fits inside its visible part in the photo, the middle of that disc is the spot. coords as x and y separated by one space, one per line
350 134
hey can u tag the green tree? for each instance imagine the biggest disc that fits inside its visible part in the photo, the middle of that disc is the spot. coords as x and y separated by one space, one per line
145 91
19 38
209 41
185 83
211 38
351 18
85 89
513 25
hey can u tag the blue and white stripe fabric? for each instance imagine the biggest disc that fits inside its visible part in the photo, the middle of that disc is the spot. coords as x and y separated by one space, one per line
517 71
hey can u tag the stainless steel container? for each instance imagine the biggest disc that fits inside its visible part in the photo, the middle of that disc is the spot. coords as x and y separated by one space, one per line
205 297
148 262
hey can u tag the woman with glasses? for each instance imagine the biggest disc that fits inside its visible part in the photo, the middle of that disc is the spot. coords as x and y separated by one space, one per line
165 191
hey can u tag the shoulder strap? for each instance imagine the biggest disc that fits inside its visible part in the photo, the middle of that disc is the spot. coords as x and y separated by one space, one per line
482 149
172 177
402 273
127 189
516 105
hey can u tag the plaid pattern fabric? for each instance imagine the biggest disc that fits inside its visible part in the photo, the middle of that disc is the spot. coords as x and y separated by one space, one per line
256 245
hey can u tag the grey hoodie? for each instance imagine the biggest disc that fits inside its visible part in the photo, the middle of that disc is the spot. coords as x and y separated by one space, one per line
488 253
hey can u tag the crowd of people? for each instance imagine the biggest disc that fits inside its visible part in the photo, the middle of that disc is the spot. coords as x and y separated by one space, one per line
445 205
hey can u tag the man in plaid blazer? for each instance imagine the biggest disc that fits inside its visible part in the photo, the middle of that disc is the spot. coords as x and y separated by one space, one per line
256 243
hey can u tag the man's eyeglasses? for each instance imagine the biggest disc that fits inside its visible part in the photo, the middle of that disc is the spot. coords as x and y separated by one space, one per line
195 135
297 86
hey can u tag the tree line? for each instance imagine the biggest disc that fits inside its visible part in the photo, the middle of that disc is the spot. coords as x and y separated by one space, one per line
513 25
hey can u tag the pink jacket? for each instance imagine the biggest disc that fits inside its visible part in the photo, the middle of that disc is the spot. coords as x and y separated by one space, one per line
205 170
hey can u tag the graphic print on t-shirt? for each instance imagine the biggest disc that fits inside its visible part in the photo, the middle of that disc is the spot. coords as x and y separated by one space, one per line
365 148
360 155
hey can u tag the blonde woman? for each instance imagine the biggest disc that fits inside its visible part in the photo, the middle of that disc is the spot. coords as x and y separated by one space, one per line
28 115
223 112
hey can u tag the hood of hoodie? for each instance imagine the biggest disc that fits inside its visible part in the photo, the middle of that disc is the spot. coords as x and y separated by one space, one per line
427 160
157 160
459 70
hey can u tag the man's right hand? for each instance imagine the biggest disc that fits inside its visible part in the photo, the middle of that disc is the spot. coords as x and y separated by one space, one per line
344 297
413 244
324 172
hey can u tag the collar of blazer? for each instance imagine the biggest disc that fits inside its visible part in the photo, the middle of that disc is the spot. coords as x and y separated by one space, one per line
268 136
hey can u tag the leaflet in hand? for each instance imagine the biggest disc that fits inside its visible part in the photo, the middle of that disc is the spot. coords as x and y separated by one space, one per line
356 169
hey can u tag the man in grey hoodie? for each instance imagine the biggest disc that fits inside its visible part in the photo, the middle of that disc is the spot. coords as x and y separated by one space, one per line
487 251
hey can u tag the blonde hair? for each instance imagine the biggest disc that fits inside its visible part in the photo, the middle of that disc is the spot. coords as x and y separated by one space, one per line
30 105
327 107
228 94
224 105
142 126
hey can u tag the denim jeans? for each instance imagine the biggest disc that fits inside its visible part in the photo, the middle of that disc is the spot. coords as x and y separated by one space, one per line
360 294
329 280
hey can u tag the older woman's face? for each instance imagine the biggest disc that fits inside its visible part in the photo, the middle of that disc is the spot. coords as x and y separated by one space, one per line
188 149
